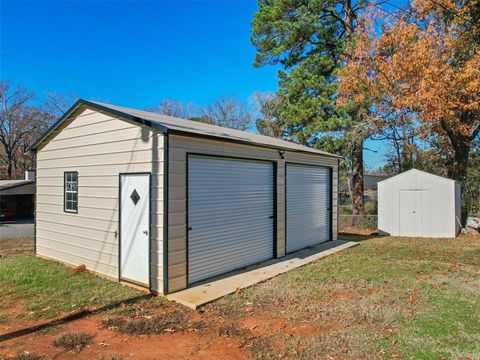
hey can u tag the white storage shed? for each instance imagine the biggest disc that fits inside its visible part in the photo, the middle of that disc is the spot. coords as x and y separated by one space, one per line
419 204
165 203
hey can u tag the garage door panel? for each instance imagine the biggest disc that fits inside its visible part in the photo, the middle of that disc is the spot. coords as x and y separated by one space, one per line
308 206
230 214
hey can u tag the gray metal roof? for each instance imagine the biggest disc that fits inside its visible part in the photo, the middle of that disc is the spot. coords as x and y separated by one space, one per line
8 184
177 125
416 171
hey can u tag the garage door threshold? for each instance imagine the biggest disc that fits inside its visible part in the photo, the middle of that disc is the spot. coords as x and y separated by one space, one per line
215 288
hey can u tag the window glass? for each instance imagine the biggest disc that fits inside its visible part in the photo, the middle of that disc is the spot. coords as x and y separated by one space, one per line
71 191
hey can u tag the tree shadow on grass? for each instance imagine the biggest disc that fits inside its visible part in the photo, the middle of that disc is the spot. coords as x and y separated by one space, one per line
72 317
357 237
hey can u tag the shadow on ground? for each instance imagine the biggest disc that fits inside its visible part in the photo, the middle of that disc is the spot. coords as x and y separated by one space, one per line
72 317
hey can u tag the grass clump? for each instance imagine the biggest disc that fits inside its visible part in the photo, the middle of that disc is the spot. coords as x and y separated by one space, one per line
27 356
156 324
229 329
73 341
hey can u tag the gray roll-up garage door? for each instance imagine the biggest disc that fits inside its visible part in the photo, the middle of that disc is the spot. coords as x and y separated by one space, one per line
308 206
230 214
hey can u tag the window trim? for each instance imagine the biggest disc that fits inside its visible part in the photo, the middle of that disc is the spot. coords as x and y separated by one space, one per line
65 193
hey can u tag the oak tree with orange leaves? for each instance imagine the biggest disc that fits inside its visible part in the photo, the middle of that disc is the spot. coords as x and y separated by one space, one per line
425 61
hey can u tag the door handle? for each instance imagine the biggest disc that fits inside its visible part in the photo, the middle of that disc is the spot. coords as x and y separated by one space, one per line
145 232
271 217
189 228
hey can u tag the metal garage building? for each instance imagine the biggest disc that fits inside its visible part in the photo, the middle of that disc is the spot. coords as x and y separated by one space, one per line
165 203
419 204
17 198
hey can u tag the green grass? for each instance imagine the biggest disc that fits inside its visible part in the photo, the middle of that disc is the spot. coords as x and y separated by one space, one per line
46 288
415 298
386 298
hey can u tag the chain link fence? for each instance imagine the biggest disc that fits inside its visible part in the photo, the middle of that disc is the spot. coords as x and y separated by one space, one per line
358 221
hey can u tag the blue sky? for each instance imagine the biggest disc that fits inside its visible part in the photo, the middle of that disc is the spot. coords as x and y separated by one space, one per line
136 53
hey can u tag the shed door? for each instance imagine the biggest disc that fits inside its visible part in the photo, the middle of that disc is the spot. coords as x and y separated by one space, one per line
134 228
230 215
308 206
414 213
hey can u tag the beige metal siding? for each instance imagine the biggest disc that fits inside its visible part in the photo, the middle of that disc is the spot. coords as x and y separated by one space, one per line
99 147
179 146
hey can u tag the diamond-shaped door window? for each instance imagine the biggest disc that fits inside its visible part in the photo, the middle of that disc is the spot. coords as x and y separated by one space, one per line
135 197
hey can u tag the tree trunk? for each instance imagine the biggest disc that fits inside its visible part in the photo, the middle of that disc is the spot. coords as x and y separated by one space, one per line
460 167
461 151
9 166
357 178
459 170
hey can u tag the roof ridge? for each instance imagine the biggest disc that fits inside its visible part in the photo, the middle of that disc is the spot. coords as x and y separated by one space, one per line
174 124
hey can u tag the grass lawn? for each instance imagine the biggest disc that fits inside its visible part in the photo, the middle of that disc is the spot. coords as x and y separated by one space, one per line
386 298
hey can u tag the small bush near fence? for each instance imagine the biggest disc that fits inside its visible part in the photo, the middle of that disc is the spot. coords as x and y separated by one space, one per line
358 221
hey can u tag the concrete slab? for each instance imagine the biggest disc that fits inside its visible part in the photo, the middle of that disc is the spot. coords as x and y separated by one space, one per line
217 287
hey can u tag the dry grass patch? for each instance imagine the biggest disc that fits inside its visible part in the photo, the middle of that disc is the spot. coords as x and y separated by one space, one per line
75 341
169 322
388 297
16 247
231 330
25 355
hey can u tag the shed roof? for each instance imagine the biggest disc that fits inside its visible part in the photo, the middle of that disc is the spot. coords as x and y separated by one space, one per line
182 126
418 172
9 184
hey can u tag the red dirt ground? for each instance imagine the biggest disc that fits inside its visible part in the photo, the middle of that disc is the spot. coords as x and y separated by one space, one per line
205 343
107 342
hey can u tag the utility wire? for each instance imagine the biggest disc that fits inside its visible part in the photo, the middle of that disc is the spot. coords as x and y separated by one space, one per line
187 33
141 36
386 11
455 14
410 14
72 76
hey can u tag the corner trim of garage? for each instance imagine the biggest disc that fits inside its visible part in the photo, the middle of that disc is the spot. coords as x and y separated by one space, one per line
215 288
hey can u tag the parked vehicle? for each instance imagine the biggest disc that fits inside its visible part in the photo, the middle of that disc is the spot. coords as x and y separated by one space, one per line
5 214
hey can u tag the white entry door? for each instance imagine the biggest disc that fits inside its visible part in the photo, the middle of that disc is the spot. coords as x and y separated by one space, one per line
308 206
135 228
230 214
414 214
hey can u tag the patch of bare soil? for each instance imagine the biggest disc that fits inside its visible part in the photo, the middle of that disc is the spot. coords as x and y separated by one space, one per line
345 294
470 236
358 231
107 343
15 323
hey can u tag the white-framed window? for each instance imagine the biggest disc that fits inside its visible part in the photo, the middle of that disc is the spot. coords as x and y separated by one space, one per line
70 188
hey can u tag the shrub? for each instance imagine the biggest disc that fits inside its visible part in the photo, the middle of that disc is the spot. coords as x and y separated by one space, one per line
371 207
26 356
73 341
169 322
